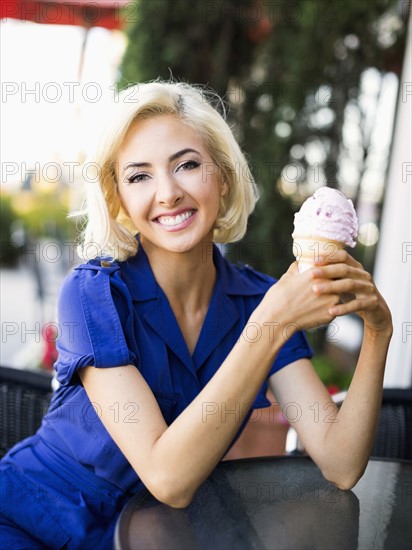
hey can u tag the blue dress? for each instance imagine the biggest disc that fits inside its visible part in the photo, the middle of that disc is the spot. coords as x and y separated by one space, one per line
65 486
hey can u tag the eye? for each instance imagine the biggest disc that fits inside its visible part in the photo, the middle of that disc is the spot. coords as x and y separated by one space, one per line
189 165
137 178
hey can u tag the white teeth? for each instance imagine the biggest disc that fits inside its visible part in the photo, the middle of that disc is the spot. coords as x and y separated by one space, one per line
174 220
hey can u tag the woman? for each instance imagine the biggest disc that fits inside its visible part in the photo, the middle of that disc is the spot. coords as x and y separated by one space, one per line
165 348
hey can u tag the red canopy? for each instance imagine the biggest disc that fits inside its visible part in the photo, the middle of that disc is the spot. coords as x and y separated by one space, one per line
85 13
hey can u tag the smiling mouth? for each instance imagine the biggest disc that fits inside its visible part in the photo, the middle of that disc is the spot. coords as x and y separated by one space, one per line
171 221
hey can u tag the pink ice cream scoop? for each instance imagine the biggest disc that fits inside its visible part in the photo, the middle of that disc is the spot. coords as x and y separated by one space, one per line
326 222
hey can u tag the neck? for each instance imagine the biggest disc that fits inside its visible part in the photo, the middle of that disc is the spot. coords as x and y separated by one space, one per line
187 278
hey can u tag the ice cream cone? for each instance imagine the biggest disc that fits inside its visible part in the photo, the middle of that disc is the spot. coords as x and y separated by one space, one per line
308 248
325 223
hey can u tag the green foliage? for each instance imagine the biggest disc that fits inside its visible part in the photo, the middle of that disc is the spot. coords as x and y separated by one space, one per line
199 42
47 217
9 251
32 215
330 374
7 217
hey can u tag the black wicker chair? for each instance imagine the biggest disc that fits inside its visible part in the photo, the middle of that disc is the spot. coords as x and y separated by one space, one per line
24 399
394 433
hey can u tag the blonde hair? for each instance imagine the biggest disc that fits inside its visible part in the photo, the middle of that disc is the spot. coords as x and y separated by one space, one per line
109 231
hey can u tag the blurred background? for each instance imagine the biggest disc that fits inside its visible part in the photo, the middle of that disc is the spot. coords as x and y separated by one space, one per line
318 93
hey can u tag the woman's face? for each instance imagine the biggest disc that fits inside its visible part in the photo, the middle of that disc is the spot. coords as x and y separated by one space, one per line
168 184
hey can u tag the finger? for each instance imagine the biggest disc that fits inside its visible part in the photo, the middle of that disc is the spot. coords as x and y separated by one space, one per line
354 306
340 271
343 286
293 268
335 256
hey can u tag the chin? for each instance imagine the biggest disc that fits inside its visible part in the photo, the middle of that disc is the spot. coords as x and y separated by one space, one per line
178 244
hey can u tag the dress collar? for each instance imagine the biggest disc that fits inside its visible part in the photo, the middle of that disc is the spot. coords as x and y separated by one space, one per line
233 280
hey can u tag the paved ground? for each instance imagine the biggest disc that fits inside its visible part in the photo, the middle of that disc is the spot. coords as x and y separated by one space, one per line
28 303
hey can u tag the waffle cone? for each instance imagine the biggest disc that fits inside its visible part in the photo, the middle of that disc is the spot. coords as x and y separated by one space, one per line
307 249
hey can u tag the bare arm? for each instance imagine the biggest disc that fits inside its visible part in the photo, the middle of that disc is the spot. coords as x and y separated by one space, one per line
341 441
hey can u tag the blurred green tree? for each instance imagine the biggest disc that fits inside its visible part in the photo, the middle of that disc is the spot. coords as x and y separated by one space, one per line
288 71
207 42
9 249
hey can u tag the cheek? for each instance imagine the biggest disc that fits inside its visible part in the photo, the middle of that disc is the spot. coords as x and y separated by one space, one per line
136 203
124 203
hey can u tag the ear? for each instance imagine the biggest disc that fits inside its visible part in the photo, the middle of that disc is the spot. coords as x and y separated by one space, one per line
224 188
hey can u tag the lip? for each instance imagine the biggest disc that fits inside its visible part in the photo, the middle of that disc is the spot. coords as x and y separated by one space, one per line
180 226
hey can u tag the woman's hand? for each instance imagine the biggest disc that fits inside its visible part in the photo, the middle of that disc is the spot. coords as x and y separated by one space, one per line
292 301
346 277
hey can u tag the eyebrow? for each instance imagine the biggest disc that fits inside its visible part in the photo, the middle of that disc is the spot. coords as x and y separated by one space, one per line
171 159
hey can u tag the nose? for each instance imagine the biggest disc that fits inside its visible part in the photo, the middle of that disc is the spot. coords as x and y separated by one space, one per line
168 192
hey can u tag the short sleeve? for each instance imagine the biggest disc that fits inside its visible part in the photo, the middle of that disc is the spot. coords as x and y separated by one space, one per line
296 347
94 311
